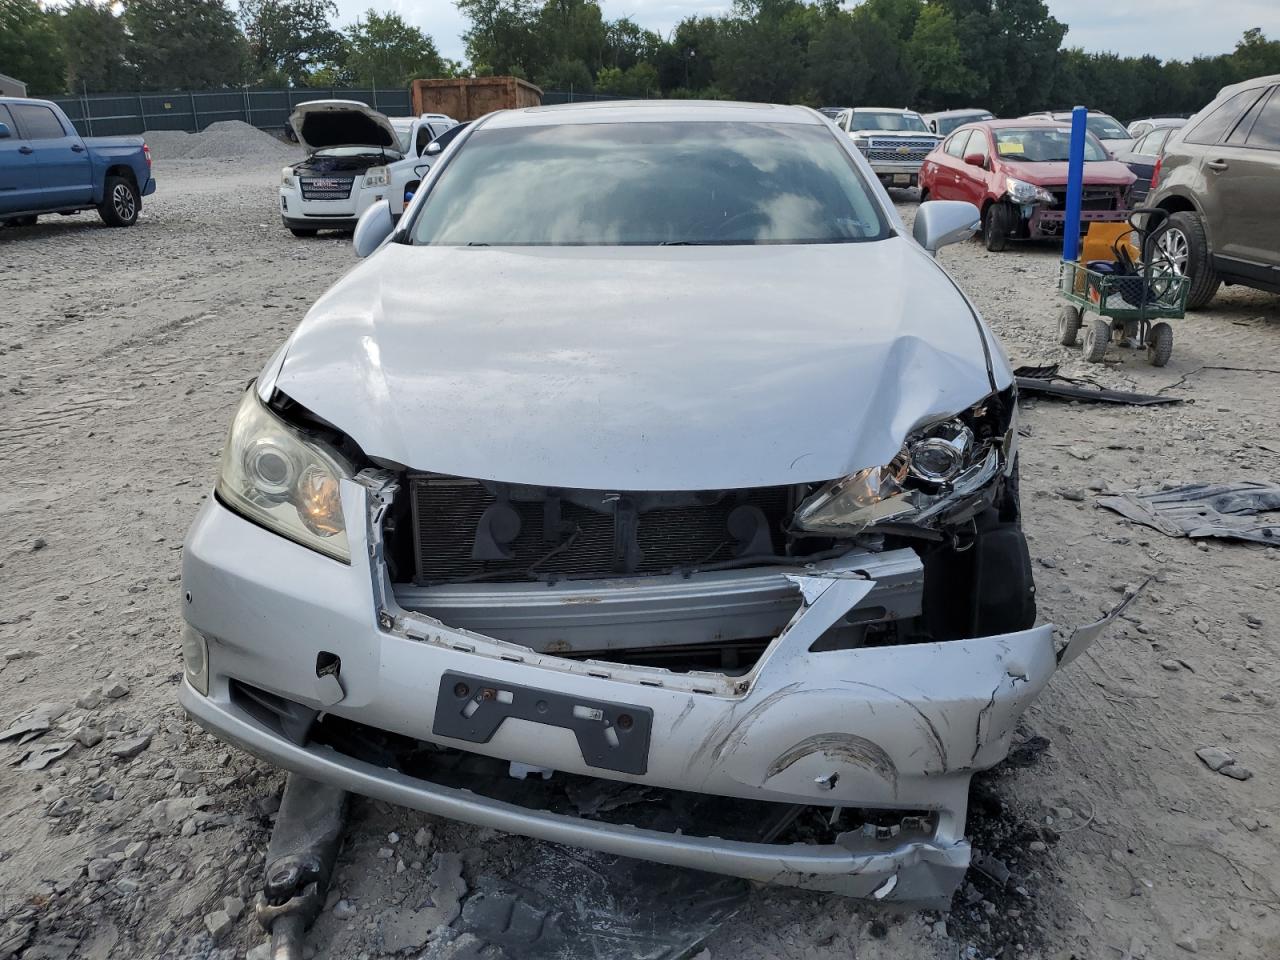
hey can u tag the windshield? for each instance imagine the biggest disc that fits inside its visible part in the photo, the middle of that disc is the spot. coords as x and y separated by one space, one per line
887 120
404 135
612 184
1106 128
1042 144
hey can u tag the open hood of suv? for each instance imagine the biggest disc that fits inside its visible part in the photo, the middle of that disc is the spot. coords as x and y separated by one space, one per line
342 123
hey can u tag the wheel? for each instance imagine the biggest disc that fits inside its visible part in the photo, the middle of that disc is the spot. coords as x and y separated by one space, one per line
1160 344
1182 243
303 231
120 203
1096 339
1068 325
997 226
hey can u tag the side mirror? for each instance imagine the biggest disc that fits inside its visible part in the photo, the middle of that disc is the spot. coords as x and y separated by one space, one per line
4 131
940 222
433 149
373 227
975 160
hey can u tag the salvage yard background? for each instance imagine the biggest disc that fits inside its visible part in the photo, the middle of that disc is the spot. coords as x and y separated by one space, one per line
122 354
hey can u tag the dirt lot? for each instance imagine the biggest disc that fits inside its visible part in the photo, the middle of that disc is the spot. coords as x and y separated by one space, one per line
122 353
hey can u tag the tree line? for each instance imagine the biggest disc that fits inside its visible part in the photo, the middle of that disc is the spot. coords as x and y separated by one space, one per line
1005 55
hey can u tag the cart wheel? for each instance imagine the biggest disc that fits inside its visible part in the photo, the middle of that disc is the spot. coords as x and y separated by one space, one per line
1096 339
1068 325
1160 344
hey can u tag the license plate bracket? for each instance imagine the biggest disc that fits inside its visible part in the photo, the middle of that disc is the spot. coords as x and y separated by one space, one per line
611 736
900 178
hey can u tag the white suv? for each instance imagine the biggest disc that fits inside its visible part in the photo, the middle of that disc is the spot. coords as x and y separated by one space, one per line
356 157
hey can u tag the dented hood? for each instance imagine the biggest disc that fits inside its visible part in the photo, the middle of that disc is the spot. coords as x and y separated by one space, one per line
321 124
639 368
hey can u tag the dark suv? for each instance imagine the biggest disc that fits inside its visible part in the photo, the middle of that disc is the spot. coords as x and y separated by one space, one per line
1219 178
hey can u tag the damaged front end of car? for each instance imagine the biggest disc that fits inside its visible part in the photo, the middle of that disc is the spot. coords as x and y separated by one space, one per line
858 647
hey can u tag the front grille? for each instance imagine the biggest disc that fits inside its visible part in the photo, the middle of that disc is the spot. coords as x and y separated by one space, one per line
447 512
1092 198
891 151
326 188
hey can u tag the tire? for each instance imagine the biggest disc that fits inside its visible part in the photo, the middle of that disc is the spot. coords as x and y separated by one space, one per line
997 226
303 231
1160 344
1096 339
120 203
1068 325
924 194
1183 242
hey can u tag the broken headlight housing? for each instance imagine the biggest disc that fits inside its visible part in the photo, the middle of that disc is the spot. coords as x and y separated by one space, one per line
1022 192
939 467
282 480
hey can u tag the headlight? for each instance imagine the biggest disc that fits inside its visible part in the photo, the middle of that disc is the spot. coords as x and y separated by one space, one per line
289 485
862 143
937 466
376 177
1023 192
286 177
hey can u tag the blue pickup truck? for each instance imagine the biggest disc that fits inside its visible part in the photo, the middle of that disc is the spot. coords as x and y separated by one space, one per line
46 167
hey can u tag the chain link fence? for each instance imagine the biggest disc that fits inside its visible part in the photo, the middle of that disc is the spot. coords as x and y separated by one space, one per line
104 115
118 114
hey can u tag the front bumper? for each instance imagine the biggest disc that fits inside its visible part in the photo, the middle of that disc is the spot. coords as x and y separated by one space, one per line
1043 222
897 173
896 728
327 214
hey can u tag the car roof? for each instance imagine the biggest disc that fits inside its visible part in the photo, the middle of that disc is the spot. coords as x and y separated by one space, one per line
966 112
1018 122
1247 85
652 111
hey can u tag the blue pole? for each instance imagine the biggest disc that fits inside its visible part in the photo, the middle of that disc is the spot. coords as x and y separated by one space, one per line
1075 185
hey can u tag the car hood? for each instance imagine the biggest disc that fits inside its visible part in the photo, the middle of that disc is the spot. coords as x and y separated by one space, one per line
342 123
1096 173
639 368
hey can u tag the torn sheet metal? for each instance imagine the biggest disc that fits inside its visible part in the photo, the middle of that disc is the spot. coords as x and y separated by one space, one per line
1046 381
1082 638
1225 510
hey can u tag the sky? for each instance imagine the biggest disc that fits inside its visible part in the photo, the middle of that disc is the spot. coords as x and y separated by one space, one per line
1183 29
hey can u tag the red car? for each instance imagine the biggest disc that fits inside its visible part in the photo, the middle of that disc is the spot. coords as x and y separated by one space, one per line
1015 172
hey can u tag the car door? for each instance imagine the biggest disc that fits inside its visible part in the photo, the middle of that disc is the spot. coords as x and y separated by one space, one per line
61 159
19 178
1244 172
950 160
971 185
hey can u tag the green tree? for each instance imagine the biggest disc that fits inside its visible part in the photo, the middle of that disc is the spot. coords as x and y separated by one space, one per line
96 47
638 80
934 50
30 47
289 39
185 44
564 74
382 50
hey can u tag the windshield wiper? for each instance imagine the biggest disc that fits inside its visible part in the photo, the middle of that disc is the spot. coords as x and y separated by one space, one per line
686 243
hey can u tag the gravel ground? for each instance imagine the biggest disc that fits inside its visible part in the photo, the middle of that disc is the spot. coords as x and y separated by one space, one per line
122 353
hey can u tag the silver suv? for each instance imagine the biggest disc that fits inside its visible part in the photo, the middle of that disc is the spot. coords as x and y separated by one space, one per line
1219 178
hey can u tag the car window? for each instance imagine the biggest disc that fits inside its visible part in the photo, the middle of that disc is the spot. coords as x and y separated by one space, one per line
1211 129
1266 129
978 144
1141 129
887 120
6 118
38 122
615 184
403 134
425 136
1105 128
1156 139
955 146
1043 144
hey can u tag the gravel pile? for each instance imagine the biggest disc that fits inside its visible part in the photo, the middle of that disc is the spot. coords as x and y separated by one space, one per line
222 140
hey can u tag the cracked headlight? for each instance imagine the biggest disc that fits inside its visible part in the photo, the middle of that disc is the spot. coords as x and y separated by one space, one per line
937 464
1023 192
280 480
